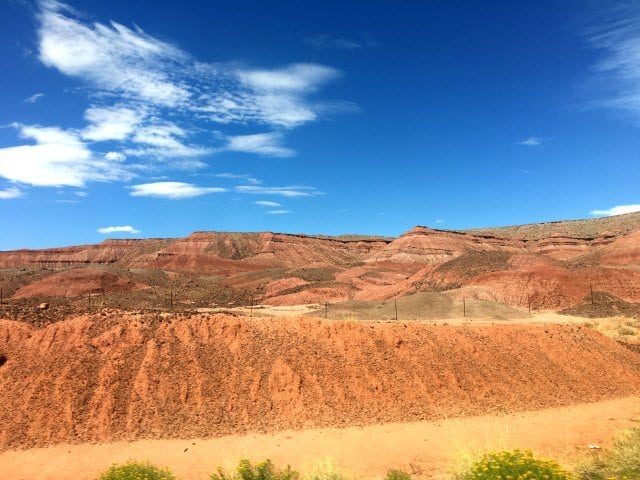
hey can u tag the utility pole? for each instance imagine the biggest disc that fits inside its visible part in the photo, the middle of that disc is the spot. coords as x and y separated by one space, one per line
395 304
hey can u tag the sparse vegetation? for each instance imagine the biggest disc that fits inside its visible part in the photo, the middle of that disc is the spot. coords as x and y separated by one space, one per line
325 471
621 463
397 475
626 331
137 471
264 470
515 465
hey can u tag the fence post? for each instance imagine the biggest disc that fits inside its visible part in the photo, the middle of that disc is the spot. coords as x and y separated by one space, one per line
529 301
464 307
326 307
395 304
591 289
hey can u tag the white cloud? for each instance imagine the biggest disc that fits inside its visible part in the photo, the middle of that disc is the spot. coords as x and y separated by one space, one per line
265 144
59 158
290 191
34 98
617 210
122 229
164 140
619 69
267 203
531 142
110 123
147 96
277 212
114 58
272 96
172 190
234 176
115 156
10 193
300 77
131 64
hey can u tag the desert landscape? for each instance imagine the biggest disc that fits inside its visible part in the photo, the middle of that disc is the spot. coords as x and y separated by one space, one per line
232 335
337 240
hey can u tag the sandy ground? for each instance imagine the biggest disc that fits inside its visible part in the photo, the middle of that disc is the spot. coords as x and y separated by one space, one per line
427 449
606 325
267 310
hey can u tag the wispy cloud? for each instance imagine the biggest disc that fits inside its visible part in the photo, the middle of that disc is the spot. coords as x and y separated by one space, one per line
326 42
531 142
267 203
264 144
618 71
114 58
235 176
152 101
130 64
164 140
10 193
617 210
121 229
172 190
34 98
277 212
59 158
290 191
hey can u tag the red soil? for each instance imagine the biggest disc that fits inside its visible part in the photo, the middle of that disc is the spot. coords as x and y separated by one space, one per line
72 283
278 286
312 295
554 264
125 377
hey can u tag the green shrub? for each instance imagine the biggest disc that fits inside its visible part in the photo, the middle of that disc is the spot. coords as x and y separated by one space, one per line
621 463
260 471
397 475
137 471
515 465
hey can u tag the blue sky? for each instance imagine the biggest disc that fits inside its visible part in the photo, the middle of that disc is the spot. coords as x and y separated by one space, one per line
156 119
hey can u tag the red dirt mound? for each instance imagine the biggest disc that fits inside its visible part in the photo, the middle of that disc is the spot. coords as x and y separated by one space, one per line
79 281
125 377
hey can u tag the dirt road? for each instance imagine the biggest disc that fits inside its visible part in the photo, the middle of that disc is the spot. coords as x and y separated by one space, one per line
427 449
